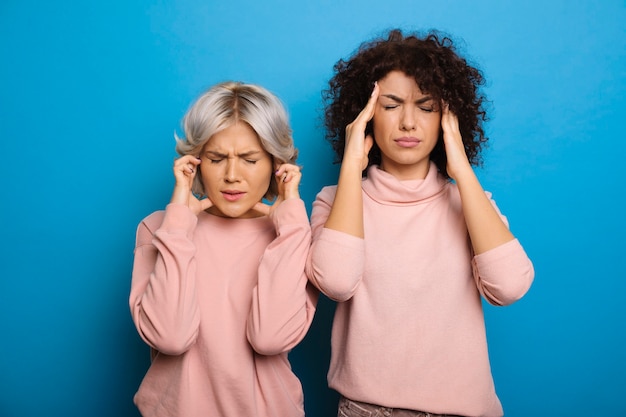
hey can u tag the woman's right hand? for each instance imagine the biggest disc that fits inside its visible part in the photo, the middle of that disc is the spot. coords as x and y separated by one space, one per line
346 213
185 170
358 145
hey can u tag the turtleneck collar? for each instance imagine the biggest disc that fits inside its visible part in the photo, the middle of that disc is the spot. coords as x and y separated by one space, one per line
387 189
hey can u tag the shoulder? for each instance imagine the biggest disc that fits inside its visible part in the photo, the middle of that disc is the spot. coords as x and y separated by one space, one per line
327 193
153 220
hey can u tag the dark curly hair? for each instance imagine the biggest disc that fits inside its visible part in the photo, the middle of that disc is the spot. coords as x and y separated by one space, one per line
432 60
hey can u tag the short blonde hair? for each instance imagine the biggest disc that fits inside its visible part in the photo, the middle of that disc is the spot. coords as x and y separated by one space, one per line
225 104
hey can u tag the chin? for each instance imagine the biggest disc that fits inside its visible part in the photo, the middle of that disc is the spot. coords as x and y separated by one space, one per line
238 213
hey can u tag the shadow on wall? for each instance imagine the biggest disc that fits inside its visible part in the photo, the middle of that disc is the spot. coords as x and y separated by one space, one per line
310 360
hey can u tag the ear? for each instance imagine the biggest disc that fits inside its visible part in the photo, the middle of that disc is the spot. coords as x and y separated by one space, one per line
277 164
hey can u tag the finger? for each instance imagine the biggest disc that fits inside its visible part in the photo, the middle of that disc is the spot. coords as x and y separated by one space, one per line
292 178
368 111
284 167
367 146
262 208
206 203
187 164
449 120
188 159
286 172
369 142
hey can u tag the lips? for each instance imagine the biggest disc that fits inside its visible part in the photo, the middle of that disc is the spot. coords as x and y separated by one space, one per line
407 142
232 195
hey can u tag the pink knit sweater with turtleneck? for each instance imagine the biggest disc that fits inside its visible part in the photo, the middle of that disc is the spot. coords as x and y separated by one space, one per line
409 330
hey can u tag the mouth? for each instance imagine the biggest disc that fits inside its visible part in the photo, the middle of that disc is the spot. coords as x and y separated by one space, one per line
407 142
232 195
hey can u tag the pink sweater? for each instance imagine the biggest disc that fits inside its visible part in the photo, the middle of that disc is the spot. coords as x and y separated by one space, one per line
222 301
409 329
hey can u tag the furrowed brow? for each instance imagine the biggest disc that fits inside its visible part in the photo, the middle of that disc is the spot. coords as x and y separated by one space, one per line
394 98
423 100
400 100
215 154
249 154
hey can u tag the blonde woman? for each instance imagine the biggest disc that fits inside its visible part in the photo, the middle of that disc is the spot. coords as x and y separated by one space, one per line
218 287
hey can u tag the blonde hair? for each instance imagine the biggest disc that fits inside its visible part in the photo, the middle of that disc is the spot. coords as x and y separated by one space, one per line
225 104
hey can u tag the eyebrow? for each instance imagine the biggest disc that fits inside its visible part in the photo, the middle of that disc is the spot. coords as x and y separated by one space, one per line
241 155
400 100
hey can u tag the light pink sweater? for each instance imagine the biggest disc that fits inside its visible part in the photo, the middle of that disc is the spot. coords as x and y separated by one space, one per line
222 301
409 329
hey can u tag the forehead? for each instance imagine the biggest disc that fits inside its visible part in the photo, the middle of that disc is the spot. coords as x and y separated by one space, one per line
399 84
239 137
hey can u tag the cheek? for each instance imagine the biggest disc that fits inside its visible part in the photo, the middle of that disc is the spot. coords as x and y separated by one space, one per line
383 123
432 125
262 177
208 175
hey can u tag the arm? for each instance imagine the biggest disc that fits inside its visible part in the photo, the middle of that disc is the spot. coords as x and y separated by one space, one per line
336 259
502 270
283 303
162 299
163 296
503 274
486 228
346 213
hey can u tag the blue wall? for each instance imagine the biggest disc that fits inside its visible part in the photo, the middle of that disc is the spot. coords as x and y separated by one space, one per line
91 93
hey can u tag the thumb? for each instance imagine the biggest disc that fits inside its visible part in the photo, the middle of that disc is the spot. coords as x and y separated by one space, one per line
206 203
262 208
367 146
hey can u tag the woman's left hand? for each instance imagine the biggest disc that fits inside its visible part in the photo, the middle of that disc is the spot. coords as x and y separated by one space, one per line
484 224
458 163
288 179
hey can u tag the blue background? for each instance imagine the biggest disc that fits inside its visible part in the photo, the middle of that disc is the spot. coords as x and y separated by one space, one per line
92 92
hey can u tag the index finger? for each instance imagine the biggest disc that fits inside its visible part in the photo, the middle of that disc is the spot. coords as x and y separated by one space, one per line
368 111
449 120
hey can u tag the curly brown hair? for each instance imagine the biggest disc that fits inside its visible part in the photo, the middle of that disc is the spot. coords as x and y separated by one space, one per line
433 61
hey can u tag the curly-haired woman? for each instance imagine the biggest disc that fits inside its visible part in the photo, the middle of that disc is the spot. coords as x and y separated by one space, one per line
408 240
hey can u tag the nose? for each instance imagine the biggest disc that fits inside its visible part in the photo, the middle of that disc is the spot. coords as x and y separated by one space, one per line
407 121
232 173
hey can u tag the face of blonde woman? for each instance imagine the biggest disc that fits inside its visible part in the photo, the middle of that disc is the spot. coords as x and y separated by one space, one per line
406 126
236 171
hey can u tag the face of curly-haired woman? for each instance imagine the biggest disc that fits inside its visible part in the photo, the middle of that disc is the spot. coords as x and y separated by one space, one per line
406 126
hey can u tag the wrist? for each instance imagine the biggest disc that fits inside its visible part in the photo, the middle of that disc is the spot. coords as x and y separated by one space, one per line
180 196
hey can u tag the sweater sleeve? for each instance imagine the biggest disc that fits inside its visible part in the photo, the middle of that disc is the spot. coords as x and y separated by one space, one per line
336 260
505 273
283 303
163 295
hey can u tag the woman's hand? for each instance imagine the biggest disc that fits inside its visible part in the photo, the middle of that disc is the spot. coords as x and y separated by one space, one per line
484 224
358 146
346 213
458 164
288 178
185 170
